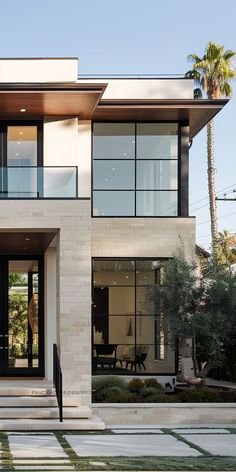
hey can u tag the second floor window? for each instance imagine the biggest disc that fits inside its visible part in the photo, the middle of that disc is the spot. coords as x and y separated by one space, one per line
135 169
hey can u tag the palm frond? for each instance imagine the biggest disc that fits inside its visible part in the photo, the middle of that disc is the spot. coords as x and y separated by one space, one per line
214 70
228 55
197 93
226 89
193 58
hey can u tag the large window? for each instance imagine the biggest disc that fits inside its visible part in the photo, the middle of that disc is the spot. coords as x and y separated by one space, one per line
128 333
135 169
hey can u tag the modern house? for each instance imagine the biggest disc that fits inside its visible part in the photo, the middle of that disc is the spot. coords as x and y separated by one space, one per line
94 196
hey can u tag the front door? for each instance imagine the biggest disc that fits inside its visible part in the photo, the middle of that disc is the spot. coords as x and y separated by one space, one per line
21 316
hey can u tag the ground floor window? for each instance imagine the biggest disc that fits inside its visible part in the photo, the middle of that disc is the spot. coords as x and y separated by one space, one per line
128 334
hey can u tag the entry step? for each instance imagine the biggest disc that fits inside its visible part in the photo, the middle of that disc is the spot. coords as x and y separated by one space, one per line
31 401
44 412
93 423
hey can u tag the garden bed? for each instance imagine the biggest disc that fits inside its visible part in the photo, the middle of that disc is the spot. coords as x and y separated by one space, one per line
112 389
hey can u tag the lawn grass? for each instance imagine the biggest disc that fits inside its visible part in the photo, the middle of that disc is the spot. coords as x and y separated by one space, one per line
205 462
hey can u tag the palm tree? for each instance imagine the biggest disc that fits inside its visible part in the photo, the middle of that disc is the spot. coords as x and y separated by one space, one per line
212 74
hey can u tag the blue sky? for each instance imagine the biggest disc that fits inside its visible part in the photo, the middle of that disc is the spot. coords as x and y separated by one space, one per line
136 36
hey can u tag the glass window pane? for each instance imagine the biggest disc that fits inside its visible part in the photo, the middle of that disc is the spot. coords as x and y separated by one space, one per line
148 272
114 203
113 174
157 203
157 140
22 146
113 140
145 297
23 314
157 175
113 272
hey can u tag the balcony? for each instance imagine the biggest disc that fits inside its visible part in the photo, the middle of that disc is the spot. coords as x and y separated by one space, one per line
47 182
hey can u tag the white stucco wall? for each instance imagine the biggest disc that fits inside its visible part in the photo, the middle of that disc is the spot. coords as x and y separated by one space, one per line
68 143
145 89
38 70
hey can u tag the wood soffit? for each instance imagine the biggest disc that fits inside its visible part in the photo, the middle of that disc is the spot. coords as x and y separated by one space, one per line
197 112
39 100
85 102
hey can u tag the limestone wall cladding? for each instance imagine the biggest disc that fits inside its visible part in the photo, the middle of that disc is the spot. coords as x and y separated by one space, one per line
166 413
72 219
142 237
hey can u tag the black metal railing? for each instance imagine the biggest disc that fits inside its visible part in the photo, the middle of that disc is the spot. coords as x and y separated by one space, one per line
57 380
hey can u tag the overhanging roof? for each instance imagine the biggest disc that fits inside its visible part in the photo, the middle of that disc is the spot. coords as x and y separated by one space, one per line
25 242
84 100
50 99
197 111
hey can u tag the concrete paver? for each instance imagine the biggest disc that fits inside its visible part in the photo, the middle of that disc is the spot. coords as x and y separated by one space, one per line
216 444
201 431
35 446
129 445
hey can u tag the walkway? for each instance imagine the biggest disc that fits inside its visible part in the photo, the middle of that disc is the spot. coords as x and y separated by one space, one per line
133 448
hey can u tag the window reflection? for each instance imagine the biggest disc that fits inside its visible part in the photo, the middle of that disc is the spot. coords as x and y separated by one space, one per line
138 161
114 140
116 203
157 140
128 329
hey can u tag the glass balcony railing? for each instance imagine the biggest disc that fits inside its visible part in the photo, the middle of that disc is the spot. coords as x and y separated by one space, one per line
38 182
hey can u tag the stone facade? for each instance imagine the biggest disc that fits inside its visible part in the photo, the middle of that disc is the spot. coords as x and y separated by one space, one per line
72 221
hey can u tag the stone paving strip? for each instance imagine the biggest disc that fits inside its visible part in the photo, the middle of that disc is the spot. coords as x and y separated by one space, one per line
129 445
35 446
38 452
201 431
216 444
139 431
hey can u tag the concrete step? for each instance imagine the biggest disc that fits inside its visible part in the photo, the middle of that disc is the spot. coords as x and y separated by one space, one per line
26 391
44 412
28 401
93 423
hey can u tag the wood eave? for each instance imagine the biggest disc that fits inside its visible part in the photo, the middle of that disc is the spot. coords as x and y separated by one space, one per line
49 99
197 112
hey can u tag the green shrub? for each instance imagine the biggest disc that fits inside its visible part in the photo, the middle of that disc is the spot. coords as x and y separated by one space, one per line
116 395
200 395
135 385
229 396
147 391
154 384
161 398
102 384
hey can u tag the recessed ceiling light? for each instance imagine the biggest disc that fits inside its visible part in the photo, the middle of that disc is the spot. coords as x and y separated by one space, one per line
113 168
17 154
20 132
22 110
27 239
126 276
24 248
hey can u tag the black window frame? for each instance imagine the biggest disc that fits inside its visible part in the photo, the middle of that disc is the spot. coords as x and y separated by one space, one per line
157 352
182 170
3 138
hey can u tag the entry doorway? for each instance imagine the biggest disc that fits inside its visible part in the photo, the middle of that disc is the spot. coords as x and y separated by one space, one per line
21 316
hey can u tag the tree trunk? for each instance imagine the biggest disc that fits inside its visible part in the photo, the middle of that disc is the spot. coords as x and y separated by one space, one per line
211 182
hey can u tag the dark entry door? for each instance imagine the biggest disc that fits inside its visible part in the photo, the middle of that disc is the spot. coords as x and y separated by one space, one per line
21 316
